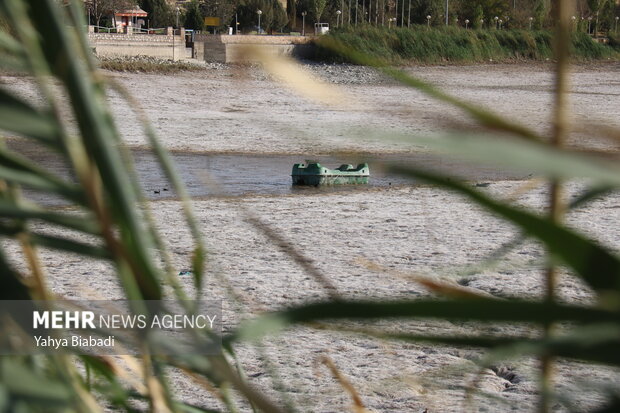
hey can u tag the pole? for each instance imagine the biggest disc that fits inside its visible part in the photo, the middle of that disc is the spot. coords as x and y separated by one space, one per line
409 15
596 26
349 13
382 12
396 14
447 1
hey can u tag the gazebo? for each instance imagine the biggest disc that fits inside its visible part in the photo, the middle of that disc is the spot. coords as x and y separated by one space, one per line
129 18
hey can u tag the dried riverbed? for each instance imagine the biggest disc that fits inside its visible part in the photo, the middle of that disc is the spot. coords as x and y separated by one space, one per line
404 229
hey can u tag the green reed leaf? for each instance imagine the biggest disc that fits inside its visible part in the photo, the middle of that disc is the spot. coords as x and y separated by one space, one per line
24 210
68 245
42 182
472 309
17 116
591 342
100 139
10 45
528 156
59 243
24 383
593 263
11 287
19 170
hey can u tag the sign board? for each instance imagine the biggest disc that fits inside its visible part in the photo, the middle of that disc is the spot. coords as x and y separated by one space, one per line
212 21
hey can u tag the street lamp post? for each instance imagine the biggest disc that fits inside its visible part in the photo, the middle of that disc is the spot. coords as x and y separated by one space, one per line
482 23
338 13
531 19
466 23
500 23
496 22
173 34
390 20
428 21
303 23
574 19
259 12
616 26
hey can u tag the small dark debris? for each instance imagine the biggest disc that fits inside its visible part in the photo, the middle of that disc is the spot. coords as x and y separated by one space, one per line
482 184
506 373
465 282
185 273
156 191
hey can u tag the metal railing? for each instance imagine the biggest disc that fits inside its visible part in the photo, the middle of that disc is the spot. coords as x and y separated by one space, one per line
131 30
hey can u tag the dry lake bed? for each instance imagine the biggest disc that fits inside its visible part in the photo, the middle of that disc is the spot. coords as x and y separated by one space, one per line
240 119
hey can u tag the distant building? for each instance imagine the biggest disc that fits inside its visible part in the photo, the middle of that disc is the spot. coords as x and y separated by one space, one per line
129 19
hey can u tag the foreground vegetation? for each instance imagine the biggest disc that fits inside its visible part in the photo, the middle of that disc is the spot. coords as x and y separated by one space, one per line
452 44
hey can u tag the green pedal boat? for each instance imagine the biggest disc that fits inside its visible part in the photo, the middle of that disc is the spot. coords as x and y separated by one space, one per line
314 174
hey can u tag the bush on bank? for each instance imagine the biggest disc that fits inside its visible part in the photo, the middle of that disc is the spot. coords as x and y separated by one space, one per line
452 44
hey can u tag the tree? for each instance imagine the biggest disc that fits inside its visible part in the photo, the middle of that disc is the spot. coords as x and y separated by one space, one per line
422 8
193 17
540 13
280 18
160 13
101 8
317 7
490 8
291 8
478 17
596 6
224 10
273 16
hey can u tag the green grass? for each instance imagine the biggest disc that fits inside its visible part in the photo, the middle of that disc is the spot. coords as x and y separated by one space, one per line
145 64
420 44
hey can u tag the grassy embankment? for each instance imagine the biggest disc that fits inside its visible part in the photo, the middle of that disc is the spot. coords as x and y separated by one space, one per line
420 44
146 64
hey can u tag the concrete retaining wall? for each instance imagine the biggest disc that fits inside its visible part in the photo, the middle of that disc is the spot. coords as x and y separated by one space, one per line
229 49
117 45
